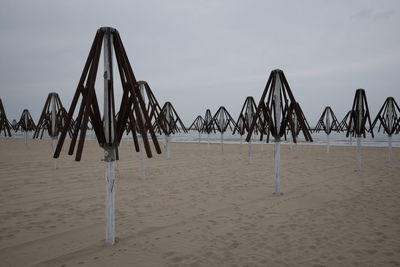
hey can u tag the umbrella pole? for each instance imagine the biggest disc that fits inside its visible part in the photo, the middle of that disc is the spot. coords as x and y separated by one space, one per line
110 195
277 168
167 146
358 154
222 142
328 143
141 155
53 149
250 153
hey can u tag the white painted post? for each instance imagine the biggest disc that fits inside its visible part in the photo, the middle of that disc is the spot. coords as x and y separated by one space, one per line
328 125
168 119
141 155
168 148
141 143
358 154
295 130
250 153
26 128
277 167
390 119
53 126
328 143
109 156
109 152
277 110
222 141
241 139
359 125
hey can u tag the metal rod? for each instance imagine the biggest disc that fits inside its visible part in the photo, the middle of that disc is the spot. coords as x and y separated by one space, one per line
222 142
358 154
167 146
250 153
277 167
109 150
141 155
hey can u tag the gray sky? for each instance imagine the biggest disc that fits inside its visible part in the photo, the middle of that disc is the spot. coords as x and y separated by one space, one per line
204 54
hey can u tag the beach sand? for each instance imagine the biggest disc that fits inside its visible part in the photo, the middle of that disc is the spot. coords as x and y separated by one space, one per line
200 208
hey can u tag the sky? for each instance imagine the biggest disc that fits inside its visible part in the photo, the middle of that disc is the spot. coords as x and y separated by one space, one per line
206 54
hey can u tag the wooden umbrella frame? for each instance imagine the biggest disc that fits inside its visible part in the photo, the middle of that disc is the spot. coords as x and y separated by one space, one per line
197 125
108 129
222 121
168 122
327 123
26 124
359 118
5 125
388 119
277 104
244 121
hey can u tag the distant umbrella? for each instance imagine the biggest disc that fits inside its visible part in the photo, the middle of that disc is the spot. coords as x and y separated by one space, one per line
277 104
222 121
327 123
360 122
388 119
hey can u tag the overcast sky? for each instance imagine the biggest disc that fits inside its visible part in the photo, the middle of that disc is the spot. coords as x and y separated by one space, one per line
204 54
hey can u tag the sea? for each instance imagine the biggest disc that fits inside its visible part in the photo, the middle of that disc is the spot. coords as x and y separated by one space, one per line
336 139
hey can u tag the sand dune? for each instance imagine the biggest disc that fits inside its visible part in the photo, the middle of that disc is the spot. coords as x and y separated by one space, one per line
200 208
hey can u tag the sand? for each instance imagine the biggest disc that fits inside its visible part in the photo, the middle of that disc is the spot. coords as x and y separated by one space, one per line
200 208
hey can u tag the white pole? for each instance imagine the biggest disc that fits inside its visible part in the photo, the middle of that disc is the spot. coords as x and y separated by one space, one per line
222 142
277 168
53 125
277 110
110 195
167 144
328 143
141 143
53 149
358 154
390 119
241 139
26 128
208 141
358 128
141 155
109 152
328 126
199 137
250 153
